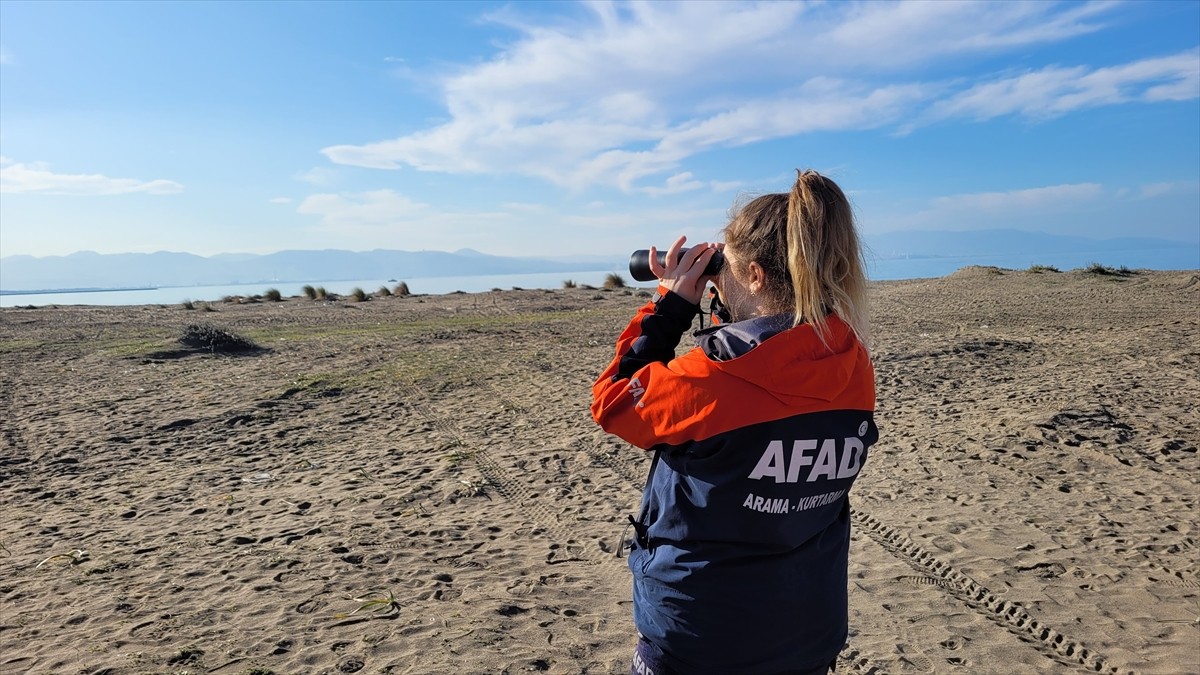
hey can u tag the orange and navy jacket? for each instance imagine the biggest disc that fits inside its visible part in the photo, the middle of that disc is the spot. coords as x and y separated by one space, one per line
741 551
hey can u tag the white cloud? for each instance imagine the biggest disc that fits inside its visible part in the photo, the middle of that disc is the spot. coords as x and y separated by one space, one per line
1087 209
363 209
281 200
318 175
36 178
1031 198
388 219
524 207
645 227
680 182
902 34
1152 190
626 96
1019 208
1057 90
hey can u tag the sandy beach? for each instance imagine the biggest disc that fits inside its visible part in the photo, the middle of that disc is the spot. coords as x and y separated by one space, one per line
415 485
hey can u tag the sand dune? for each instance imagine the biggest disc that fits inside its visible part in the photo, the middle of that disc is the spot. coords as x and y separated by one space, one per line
414 485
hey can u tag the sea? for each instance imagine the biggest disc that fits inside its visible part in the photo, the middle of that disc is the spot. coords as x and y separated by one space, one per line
882 269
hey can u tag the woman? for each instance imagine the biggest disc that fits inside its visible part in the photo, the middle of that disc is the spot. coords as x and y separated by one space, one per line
740 554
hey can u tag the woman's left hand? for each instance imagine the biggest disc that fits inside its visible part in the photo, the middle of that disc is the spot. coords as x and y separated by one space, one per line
684 276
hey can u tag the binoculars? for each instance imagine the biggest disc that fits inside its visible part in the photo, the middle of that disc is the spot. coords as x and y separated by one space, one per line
639 264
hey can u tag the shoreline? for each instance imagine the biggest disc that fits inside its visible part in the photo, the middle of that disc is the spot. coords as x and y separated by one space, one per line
1093 269
51 291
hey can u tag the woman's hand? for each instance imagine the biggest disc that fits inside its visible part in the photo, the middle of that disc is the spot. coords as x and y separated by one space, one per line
684 276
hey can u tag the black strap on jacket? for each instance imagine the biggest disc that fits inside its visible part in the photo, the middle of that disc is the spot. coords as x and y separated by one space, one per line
641 531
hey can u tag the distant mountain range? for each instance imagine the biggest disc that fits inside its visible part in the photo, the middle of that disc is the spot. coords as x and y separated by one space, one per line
125 270
89 270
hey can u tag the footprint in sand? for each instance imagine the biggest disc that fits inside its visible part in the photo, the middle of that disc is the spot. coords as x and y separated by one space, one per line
915 658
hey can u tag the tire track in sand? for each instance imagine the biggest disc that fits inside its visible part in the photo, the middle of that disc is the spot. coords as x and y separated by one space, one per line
496 475
1050 642
633 475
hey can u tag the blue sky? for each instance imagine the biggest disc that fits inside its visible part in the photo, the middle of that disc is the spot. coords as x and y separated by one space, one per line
584 128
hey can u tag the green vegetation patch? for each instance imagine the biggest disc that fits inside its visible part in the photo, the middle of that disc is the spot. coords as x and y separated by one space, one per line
123 348
1105 271
440 328
19 345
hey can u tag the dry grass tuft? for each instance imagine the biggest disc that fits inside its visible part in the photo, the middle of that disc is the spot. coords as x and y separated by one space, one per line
614 281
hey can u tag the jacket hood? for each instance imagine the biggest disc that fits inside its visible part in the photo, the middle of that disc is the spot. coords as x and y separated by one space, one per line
789 362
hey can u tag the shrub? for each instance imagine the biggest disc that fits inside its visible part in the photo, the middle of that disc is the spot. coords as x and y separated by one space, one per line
383 292
188 304
358 295
207 336
614 281
310 292
208 307
273 295
1104 270
320 294
401 290
569 284
1038 269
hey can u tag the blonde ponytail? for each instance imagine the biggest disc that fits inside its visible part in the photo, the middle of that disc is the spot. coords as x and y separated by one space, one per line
824 257
807 243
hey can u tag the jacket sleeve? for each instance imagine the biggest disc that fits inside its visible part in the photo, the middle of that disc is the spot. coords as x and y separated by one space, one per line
643 349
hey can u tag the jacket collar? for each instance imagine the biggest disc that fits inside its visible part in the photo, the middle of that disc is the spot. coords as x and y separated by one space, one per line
725 342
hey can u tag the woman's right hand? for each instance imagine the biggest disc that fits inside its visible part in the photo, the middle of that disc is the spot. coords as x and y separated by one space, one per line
684 276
